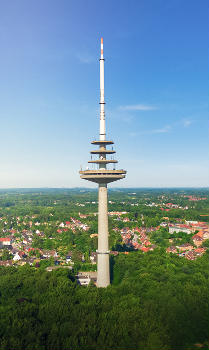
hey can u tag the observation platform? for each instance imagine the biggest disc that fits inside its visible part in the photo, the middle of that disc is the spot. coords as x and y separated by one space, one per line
103 161
103 151
104 142
102 175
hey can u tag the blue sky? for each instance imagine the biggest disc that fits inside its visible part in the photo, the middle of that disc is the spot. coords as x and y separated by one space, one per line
156 90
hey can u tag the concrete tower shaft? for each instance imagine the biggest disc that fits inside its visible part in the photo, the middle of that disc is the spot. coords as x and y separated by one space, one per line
103 268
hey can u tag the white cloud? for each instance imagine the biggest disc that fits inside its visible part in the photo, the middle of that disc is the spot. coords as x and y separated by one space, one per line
133 134
85 57
162 130
138 107
186 123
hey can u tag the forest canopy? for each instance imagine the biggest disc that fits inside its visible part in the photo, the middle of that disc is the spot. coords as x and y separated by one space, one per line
156 301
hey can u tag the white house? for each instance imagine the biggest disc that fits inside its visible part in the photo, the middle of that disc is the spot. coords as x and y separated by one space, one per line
6 241
17 257
83 280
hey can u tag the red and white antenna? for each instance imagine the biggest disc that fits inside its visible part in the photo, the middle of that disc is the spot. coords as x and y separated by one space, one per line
102 48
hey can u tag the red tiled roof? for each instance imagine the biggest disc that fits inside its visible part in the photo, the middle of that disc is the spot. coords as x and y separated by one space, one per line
5 239
197 238
145 249
199 250
200 233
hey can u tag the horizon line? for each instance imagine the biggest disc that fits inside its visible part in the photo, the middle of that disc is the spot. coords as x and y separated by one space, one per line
92 188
